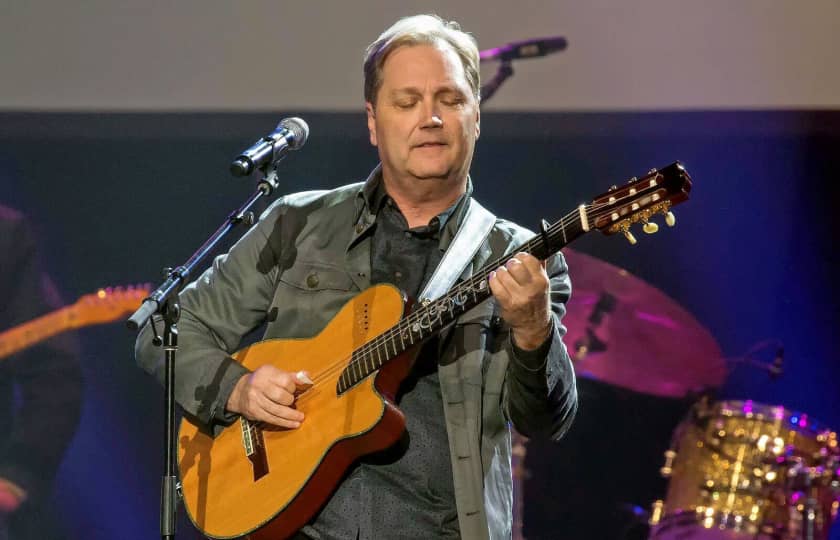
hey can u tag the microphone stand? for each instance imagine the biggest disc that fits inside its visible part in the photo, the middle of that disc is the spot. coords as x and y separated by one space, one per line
165 302
489 88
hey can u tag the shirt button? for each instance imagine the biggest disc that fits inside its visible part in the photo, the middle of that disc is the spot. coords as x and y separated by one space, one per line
312 280
398 275
408 234
496 323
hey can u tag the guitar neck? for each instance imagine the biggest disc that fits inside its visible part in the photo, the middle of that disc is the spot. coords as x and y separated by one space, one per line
429 318
27 334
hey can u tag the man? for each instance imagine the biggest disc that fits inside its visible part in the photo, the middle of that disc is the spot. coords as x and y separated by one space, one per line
40 390
449 476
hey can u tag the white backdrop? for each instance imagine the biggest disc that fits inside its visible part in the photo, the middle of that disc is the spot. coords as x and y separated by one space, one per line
263 54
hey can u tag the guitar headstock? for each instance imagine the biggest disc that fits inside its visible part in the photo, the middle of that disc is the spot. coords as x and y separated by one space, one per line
108 304
639 200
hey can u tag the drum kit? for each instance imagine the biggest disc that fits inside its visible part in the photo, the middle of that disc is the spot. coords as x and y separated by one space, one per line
734 470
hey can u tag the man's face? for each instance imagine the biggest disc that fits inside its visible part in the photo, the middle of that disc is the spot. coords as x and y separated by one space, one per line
425 120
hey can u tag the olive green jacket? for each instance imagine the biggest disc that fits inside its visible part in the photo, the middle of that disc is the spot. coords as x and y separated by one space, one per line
306 257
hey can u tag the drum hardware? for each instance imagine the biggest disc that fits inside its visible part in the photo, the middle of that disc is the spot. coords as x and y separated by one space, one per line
774 367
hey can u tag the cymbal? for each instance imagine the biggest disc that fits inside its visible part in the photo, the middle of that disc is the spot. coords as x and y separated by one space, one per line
627 333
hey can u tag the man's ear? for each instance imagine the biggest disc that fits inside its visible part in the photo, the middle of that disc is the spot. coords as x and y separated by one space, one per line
371 122
477 122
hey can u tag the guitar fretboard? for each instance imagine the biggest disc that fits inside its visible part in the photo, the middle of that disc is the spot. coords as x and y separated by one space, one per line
30 333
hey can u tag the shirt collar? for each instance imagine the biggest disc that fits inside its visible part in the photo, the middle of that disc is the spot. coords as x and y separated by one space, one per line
373 196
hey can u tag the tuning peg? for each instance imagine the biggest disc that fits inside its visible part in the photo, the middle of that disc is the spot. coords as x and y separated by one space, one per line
670 220
649 227
625 228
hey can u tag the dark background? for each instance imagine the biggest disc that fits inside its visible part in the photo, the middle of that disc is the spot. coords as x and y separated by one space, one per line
115 197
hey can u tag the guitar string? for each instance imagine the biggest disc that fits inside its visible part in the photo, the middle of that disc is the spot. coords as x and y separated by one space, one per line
357 359
357 356
562 224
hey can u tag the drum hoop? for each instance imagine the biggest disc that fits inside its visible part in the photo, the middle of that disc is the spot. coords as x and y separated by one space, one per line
752 410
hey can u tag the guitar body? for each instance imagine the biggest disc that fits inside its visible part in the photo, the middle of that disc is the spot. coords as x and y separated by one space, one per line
271 496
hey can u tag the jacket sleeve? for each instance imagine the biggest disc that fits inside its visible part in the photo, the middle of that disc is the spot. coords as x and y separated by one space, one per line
540 395
230 299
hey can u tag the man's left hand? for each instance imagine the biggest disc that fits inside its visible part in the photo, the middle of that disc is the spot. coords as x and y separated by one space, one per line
522 288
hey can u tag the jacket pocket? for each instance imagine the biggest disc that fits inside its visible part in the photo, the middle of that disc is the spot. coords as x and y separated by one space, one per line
317 277
308 296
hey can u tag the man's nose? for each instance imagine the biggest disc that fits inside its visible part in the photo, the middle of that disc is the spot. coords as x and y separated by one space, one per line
431 116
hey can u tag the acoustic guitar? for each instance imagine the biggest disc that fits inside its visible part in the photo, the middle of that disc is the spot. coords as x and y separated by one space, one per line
264 482
103 306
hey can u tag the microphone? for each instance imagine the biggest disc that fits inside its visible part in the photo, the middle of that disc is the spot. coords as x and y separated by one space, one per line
290 134
530 48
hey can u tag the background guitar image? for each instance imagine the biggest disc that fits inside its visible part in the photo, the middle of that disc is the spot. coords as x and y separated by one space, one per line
265 482
103 306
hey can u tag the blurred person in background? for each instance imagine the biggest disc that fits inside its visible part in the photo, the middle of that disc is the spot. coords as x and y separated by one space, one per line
40 390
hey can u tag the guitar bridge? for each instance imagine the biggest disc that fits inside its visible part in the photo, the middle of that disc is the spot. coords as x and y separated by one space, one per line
254 445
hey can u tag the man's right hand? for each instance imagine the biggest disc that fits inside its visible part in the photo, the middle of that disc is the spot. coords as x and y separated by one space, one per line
268 395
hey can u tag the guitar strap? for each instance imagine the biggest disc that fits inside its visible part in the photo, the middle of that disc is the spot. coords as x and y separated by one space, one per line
477 224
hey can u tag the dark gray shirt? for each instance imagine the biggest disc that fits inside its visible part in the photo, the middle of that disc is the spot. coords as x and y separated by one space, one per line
406 491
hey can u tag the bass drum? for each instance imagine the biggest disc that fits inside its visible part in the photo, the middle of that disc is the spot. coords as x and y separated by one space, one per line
741 470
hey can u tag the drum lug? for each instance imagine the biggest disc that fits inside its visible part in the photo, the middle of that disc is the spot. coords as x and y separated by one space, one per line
668 468
656 511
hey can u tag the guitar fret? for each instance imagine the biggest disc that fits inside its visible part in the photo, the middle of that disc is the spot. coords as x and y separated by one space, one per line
402 339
